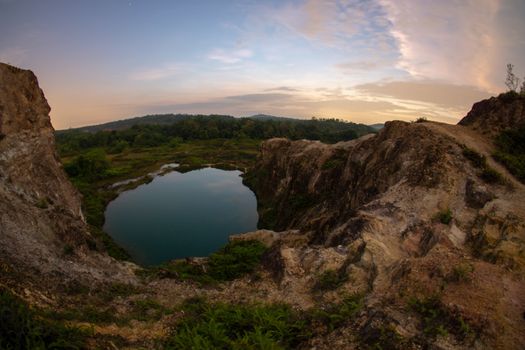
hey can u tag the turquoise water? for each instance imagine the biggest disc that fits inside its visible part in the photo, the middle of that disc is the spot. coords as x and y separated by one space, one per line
180 215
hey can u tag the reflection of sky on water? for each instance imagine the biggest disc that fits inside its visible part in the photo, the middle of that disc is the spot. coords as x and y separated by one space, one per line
179 215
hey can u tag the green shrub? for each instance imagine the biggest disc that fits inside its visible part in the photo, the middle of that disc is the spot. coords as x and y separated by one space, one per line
421 120
147 309
42 203
23 328
491 176
336 315
230 326
478 160
235 259
510 151
444 216
438 320
461 273
68 250
330 280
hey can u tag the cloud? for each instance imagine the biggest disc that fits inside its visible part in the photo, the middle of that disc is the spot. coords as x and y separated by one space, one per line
229 57
428 91
164 72
261 97
449 40
352 27
283 88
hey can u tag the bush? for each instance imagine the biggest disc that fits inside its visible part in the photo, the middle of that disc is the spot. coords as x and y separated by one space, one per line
229 326
438 320
461 273
444 216
479 161
235 259
336 315
330 280
22 328
491 176
511 151
232 261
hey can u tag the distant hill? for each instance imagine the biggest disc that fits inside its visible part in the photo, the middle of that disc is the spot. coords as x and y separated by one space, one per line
170 119
378 126
264 117
155 119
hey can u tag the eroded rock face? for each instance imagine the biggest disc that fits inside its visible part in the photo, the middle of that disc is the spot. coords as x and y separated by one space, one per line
492 116
42 230
403 214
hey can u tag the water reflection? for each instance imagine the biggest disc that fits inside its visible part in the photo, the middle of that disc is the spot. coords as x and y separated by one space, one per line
179 215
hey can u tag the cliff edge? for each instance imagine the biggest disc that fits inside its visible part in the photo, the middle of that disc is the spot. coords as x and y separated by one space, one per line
419 214
43 236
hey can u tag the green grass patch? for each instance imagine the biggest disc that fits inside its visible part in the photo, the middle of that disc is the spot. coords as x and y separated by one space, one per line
233 326
330 280
461 273
336 315
234 260
510 151
487 174
147 310
444 216
491 176
22 327
437 320
478 160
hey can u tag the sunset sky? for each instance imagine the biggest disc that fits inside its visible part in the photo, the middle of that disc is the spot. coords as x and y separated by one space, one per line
362 60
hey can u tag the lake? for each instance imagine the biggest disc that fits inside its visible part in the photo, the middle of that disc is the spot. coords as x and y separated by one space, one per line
180 215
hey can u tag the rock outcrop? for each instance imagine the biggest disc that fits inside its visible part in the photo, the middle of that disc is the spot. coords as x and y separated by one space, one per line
42 231
403 215
492 116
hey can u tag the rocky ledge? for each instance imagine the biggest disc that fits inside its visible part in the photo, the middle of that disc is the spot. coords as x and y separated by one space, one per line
43 236
403 217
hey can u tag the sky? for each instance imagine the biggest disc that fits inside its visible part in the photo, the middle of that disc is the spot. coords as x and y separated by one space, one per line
365 61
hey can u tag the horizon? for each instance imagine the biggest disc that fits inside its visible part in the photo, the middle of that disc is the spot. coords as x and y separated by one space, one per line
360 61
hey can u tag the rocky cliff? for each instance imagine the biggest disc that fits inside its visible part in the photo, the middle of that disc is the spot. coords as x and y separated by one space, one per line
42 231
413 213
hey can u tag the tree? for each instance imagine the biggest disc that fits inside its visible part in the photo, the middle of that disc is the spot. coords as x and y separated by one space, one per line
512 81
522 89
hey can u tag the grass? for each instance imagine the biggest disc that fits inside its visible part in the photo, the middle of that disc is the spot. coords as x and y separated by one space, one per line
437 320
22 327
255 326
231 326
336 161
487 174
330 280
147 310
42 203
336 315
234 260
510 151
461 273
383 337
444 216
